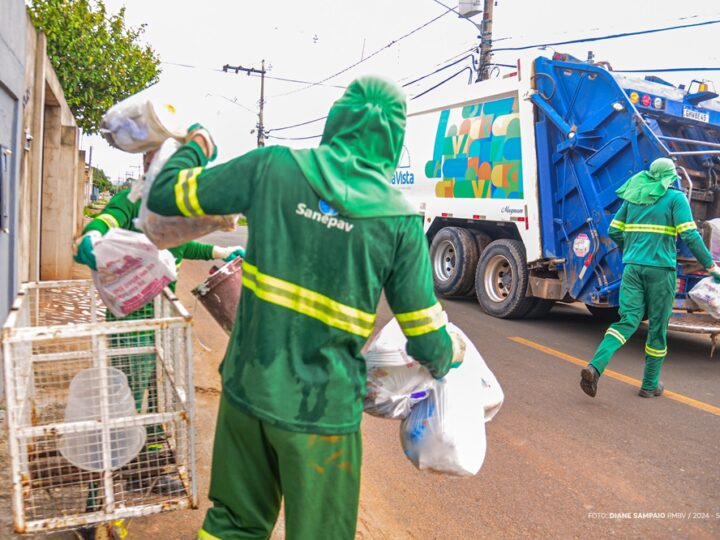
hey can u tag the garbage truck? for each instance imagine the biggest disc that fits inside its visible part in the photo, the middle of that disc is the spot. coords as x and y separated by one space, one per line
516 179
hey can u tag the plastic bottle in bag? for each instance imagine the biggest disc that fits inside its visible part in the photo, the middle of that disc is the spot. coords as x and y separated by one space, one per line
706 294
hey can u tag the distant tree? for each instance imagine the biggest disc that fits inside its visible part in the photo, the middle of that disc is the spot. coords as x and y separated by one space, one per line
101 180
98 59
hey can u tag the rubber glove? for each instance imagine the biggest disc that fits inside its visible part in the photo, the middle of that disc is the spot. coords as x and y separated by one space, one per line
458 345
198 129
84 253
714 271
228 254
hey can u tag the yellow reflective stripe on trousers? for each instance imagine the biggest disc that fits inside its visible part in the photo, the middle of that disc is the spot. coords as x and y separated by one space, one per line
644 227
307 302
422 321
657 353
617 335
686 226
617 224
204 535
109 220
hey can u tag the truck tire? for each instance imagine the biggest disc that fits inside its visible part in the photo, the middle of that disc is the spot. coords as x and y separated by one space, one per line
454 256
482 241
501 280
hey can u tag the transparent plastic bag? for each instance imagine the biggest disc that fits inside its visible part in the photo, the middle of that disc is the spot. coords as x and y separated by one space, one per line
395 382
141 123
171 231
706 294
131 271
445 433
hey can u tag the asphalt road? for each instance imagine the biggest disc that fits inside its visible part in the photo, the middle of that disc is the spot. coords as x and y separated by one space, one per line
559 464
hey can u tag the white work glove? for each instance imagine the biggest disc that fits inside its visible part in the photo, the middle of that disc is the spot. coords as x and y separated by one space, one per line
714 271
459 346
228 254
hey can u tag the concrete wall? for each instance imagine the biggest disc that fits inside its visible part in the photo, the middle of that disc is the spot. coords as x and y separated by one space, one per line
12 78
43 188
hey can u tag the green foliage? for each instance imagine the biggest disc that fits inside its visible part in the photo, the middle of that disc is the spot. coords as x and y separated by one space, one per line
101 180
98 59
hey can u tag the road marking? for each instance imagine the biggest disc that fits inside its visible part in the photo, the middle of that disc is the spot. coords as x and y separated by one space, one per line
685 400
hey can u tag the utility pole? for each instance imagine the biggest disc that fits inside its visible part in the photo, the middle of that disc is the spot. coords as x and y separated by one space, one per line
249 71
486 41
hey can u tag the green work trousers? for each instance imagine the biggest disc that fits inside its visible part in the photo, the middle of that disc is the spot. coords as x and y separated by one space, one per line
256 464
644 289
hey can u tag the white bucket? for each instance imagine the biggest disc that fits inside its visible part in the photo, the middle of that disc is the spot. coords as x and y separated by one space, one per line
92 390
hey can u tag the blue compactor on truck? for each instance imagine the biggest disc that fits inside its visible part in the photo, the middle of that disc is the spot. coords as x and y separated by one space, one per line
516 180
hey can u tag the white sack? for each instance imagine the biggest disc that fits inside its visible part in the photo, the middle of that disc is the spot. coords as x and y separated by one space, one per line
131 271
395 382
446 432
706 294
171 231
141 123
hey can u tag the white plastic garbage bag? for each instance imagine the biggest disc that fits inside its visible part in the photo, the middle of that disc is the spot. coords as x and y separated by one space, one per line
706 294
142 122
395 382
171 231
446 432
131 271
714 225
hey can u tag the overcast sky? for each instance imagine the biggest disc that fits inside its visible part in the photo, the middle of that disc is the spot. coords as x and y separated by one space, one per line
312 39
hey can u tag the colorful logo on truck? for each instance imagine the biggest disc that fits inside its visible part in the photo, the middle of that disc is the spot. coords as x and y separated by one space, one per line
479 158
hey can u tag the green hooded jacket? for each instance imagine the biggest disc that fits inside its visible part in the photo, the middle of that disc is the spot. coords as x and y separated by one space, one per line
319 255
652 216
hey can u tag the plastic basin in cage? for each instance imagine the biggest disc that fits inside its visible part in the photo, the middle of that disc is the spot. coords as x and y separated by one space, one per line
98 394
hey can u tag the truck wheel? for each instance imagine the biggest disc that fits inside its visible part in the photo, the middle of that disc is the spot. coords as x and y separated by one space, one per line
482 241
454 256
501 280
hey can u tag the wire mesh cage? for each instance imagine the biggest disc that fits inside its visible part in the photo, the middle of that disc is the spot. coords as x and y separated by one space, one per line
100 411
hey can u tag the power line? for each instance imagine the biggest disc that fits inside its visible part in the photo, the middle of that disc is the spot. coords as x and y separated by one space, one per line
298 125
378 51
666 70
451 77
610 36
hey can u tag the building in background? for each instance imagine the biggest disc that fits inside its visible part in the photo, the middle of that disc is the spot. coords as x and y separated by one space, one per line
43 179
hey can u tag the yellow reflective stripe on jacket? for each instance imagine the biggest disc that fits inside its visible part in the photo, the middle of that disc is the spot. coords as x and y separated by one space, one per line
192 192
422 321
688 226
617 335
657 353
109 220
186 192
318 306
204 535
617 224
180 193
644 227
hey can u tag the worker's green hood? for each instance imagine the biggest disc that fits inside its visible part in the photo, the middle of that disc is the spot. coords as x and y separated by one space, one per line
359 152
646 187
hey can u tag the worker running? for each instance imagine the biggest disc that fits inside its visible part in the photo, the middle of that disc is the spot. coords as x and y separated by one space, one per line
645 228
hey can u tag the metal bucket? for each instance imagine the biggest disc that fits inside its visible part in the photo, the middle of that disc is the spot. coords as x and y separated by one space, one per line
220 293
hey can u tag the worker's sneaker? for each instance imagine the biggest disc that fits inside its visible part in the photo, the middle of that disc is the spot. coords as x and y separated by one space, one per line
652 393
588 380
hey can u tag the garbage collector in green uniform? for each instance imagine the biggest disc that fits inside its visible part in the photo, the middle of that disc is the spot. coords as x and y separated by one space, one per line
120 212
327 233
645 228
